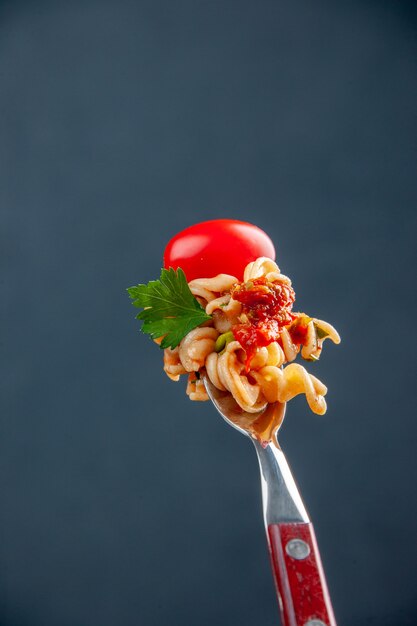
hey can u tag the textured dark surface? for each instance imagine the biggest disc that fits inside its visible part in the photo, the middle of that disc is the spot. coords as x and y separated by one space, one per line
121 123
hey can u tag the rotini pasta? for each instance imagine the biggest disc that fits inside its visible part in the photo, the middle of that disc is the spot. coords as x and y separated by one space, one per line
248 345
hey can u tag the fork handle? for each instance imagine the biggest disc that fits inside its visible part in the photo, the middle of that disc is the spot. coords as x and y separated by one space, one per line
303 595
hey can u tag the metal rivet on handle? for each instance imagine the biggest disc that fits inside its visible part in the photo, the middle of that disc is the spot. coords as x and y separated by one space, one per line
299 549
315 622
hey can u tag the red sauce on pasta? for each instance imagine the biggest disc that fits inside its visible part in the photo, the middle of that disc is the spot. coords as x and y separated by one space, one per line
267 307
256 334
298 329
262 299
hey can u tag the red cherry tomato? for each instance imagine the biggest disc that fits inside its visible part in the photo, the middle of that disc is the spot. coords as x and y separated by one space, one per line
217 247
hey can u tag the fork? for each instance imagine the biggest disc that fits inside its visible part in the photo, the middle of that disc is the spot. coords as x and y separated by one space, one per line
302 592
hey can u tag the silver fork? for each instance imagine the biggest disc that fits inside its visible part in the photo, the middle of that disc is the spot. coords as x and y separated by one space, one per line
303 596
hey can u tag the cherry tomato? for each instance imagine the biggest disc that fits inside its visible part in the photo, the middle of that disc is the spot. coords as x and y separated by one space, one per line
217 247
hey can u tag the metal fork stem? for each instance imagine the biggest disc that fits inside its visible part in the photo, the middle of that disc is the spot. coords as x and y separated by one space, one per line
281 499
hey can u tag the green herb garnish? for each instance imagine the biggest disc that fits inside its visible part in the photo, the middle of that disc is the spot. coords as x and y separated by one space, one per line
170 309
320 332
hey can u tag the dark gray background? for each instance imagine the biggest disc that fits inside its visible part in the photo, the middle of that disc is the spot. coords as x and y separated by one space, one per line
121 123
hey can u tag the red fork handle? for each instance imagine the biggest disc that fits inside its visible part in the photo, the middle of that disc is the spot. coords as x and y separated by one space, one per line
299 577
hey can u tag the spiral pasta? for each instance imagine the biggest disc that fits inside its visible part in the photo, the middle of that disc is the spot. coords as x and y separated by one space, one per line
244 310
214 295
226 372
264 267
281 385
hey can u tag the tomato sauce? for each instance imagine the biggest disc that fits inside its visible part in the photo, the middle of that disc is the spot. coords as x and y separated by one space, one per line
298 329
267 307
262 299
255 334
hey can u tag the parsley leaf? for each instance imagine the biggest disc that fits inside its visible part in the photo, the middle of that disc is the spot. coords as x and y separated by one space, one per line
169 308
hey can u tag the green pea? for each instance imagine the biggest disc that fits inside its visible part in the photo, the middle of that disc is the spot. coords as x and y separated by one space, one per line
222 341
